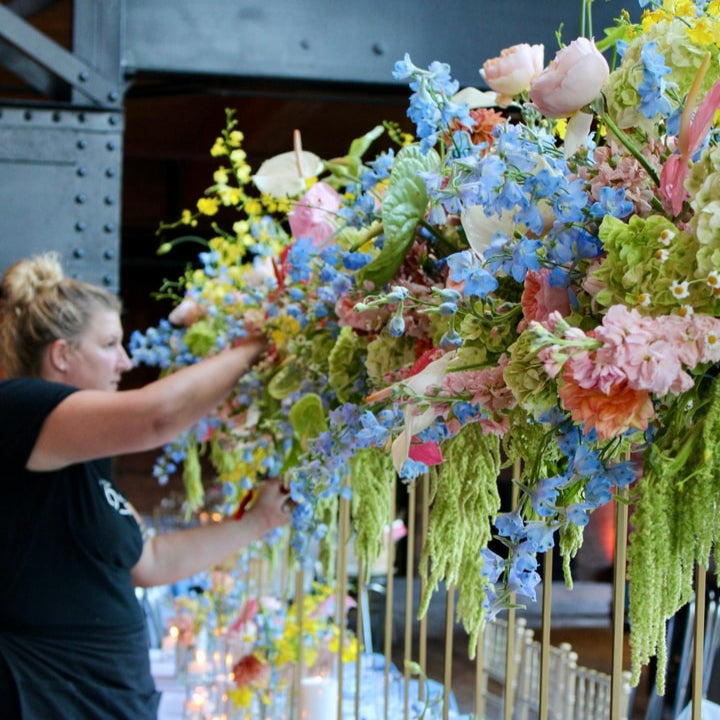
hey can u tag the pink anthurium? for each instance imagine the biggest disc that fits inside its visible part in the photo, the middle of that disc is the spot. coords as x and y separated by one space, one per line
427 452
690 137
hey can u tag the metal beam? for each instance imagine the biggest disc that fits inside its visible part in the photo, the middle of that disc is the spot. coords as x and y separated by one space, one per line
96 88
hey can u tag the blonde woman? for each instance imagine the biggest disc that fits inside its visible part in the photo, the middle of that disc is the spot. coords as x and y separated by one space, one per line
72 634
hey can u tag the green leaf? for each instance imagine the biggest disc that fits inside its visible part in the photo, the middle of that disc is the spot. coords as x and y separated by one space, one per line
404 205
307 416
361 145
346 363
349 166
285 381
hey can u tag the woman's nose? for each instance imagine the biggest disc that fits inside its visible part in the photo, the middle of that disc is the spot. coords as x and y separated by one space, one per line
125 362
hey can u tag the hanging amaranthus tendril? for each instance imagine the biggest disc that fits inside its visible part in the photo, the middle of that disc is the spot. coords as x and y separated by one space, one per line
192 476
674 521
464 501
372 475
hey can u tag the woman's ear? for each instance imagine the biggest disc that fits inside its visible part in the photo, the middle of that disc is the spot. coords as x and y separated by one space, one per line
59 355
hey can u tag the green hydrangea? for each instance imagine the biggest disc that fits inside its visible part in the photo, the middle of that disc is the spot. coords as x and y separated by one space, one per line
645 258
704 188
681 55
525 376
386 355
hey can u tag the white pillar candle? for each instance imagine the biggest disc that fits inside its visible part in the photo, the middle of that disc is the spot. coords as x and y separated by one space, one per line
318 698
200 666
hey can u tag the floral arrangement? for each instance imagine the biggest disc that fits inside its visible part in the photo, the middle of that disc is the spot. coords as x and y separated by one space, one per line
277 638
530 280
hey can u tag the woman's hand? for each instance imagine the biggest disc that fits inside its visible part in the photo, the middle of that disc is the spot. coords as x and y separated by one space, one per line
272 504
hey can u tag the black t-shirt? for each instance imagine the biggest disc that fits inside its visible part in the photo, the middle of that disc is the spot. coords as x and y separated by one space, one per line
67 543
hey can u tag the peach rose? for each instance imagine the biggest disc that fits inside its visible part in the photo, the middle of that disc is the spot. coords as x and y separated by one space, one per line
571 81
539 298
511 72
609 414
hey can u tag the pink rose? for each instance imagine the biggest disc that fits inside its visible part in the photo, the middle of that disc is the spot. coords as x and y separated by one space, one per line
571 81
314 215
511 72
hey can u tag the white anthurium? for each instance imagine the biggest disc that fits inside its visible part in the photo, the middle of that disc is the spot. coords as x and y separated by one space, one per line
414 423
286 175
430 376
578 129
475 98
480 228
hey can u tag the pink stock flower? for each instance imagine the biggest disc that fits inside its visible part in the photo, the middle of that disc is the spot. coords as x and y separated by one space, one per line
314 215
705 333
511 72
539 298
571 81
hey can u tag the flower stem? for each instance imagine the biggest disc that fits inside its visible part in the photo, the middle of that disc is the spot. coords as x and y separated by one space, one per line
628 143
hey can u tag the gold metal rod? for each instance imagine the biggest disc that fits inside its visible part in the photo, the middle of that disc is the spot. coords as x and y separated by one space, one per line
509 695
342 591
545 636
423 633
449 635
480 676
618 624
409 586
389 597
698 642
360 595
298 667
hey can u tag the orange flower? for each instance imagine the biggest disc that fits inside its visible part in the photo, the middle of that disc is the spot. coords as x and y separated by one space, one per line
610 415
485 120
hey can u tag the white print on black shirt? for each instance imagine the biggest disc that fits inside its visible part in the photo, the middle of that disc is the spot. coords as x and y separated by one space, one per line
114 498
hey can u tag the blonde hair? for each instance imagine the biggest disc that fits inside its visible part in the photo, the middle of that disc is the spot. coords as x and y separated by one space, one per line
39 305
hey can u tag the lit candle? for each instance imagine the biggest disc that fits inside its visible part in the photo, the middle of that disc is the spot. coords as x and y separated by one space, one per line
318 698
169 642
197 703
200 665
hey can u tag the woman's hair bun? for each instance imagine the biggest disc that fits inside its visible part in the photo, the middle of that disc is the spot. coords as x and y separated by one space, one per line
24 280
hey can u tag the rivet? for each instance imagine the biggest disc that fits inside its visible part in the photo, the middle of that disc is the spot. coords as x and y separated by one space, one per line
81 144
305 44
81 172
107 279
108 227
82 76
80 198
78 253
110 172
109 254
378 49
112 96
109 200
110 145
80 226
